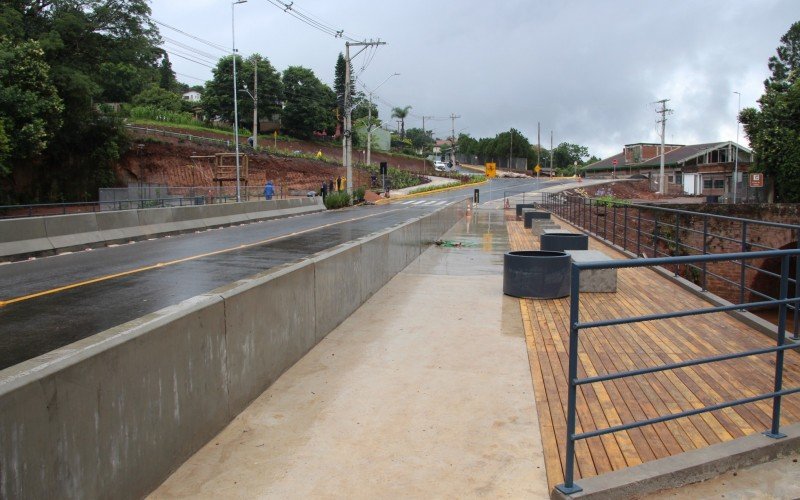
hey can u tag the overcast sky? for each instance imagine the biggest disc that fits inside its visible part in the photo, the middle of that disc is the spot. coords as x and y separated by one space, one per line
588 70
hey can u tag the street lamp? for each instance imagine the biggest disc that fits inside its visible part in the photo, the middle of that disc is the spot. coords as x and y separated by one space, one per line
235 102
369 118
736 158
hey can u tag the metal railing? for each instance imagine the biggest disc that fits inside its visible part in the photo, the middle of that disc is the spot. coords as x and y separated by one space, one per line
569 486
651 231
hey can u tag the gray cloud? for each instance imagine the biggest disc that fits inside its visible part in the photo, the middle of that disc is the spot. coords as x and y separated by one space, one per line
587 70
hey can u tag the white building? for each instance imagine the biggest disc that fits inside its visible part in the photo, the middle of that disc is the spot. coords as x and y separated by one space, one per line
191 96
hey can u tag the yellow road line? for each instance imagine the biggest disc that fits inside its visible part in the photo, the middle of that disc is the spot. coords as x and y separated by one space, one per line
177 261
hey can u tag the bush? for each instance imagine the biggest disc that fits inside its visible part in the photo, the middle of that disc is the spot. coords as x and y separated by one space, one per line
338 199
358 194
610 201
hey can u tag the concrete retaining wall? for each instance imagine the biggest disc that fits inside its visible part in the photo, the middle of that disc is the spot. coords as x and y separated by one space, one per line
34 236
114 414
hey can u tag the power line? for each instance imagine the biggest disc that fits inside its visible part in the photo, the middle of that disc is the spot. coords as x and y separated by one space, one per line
189 55
189 76
189 59
194 37
190 48
310 20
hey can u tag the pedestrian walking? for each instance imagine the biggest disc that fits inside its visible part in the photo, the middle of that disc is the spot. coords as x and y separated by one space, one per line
324 190
269 190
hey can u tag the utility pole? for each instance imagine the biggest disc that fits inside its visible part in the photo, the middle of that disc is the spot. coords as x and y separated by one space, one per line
662 180
369 118
551 153
538 144
453 117
511 149
235 103
736 158
255 102
348 141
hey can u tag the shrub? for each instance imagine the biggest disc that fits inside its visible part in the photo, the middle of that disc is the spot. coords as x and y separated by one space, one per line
358 194
337 200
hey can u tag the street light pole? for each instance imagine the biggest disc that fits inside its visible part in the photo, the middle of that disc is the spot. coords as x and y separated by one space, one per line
736 158
235 102
369 118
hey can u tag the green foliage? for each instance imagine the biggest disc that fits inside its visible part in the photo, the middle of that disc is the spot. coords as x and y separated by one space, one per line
156 97
160 115
425 189
401 114
308 102
358 194
75 55
398 179
30 109
337 199
420 139
217 99
565 155
774 129
610 201
5 149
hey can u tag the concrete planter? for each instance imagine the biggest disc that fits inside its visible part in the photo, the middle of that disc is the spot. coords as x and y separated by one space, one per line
563 241
536 274
521 206
529 216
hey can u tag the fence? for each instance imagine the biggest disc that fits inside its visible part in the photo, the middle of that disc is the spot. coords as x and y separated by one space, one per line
662 232
782 301
147 196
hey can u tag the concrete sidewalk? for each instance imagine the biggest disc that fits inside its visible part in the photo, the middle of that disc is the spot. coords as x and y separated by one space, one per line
425 391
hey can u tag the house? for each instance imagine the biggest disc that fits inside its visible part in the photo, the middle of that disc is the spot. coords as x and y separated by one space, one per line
191 96
696 169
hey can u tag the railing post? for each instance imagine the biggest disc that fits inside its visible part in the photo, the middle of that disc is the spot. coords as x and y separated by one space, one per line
655 234
705 251
569 487
639 233
744 263
614 225
775 431
625 228
677 238
795 316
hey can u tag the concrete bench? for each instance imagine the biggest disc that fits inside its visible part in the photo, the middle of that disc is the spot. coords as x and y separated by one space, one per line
595 280
540 226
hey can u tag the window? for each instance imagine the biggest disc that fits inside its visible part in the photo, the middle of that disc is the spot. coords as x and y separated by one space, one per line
707 183
719 183
678 177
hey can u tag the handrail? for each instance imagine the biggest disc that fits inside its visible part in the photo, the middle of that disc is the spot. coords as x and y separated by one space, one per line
569 486
647 230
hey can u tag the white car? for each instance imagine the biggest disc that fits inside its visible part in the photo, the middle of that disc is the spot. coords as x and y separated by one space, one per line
440 166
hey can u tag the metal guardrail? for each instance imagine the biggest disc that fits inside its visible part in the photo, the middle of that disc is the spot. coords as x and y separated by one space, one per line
651 231
782 301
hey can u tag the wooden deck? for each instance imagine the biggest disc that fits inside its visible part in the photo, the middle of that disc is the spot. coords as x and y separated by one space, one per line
625 347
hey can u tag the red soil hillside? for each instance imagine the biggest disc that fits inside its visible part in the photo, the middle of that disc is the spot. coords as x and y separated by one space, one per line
167 160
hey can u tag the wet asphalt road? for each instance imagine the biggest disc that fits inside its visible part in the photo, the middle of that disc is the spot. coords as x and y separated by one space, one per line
129 281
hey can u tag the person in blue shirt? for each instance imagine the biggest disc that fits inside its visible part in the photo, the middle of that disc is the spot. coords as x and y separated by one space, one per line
269 190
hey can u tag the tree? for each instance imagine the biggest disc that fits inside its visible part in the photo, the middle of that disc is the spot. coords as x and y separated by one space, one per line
217 99
308 102
401 114
339 87
565 155
774 129
30 108
95 51
159 98
167 80
419 138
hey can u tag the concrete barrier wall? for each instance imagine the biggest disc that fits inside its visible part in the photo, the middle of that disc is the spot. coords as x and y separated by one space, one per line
114 414
47 235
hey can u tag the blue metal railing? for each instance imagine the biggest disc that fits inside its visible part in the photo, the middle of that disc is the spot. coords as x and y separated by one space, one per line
782 301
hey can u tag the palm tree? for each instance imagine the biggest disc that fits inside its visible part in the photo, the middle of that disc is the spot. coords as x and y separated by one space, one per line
401 114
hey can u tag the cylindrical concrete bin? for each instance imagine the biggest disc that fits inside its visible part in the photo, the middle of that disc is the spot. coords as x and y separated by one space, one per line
520 206
563 241
529 215
536 274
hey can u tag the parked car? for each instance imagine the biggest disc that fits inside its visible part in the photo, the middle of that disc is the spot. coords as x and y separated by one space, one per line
440 166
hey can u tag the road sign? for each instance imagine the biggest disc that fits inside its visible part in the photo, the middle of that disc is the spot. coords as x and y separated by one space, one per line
491 170
757 180
537 168
614 162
